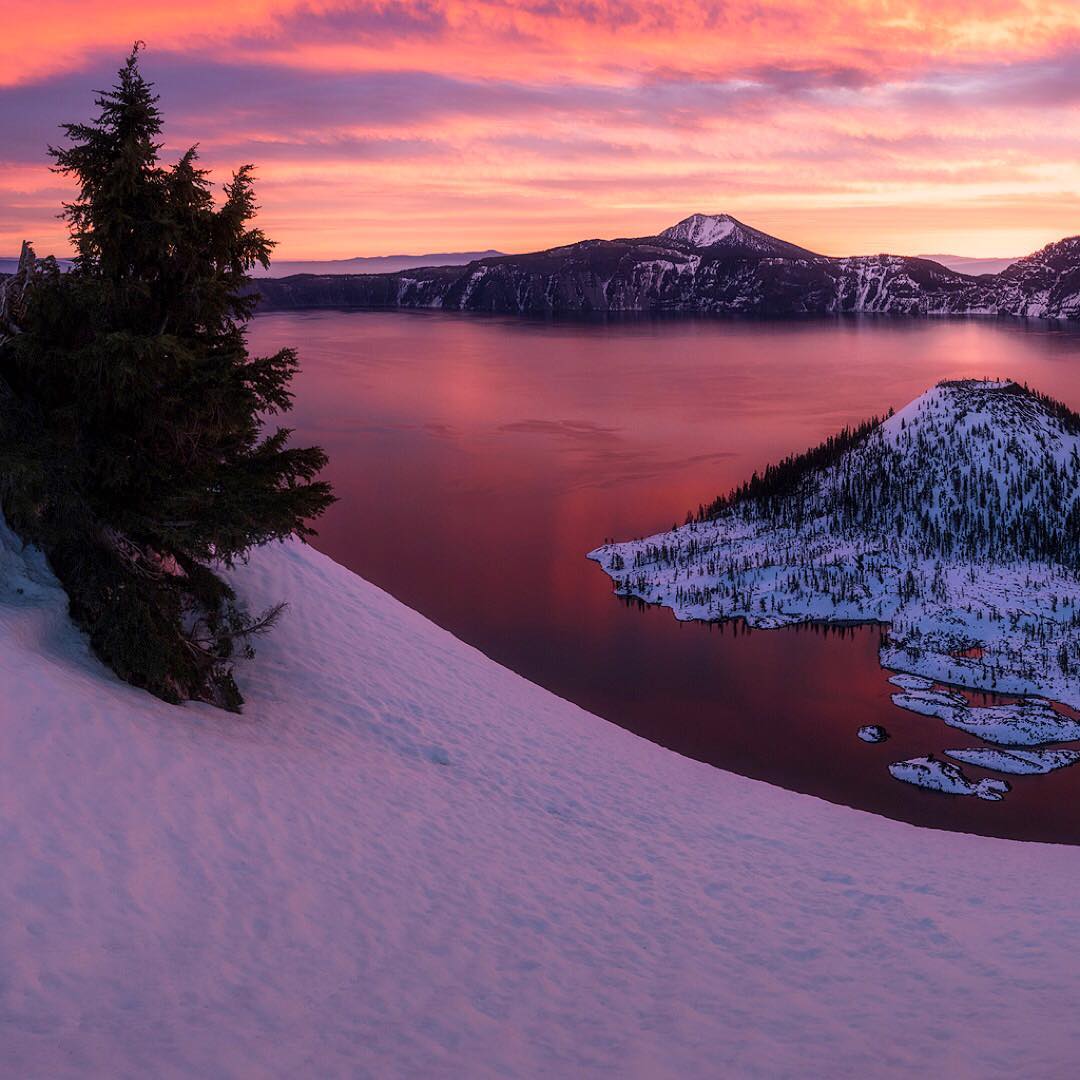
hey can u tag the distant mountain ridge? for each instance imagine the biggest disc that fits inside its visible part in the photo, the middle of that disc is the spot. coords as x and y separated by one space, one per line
372 264
966 264
361 264
704 263
9 264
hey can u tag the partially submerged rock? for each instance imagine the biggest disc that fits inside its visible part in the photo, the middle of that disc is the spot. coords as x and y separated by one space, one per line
873 733
927 772
907 681
1030 722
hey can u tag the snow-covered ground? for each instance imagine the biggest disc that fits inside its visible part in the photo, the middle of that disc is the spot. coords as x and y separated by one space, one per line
406 861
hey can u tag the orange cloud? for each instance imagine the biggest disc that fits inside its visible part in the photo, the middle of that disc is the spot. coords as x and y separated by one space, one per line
598 39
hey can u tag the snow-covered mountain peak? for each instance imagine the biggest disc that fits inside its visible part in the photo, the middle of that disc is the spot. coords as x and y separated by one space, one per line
704 230
723 234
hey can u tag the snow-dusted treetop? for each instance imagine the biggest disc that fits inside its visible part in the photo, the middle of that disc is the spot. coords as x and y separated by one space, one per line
957 520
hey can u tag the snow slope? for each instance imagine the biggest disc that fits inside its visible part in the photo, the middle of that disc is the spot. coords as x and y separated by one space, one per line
404 860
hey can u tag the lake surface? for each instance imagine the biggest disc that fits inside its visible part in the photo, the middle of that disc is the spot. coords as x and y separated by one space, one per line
478 459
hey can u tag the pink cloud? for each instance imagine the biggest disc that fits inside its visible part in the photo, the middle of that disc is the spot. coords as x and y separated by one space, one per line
522 123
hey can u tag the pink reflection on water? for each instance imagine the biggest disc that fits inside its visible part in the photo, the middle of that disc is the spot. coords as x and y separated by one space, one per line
478 459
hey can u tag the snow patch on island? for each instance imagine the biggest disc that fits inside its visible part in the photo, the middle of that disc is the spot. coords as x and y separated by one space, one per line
1030 722
1018 762
911 682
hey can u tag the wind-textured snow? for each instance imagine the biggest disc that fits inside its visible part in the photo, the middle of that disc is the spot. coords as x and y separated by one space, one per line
406 861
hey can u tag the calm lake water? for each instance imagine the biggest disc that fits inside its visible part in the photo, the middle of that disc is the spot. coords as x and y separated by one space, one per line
479 458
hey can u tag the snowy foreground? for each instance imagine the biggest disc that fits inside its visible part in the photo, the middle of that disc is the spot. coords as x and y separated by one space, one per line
404 860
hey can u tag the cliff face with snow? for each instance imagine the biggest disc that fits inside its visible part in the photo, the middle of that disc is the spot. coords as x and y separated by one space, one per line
956 521
705 263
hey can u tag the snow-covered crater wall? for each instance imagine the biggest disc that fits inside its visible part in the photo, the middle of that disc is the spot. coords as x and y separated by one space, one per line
705 263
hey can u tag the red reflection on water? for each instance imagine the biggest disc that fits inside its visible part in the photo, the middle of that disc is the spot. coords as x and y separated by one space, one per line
478 460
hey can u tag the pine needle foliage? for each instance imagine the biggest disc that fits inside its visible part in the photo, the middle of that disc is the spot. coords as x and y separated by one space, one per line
133 445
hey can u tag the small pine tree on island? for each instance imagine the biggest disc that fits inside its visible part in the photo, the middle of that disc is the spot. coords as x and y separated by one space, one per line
132 446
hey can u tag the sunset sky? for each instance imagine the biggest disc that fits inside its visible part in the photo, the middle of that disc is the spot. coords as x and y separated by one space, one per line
439 125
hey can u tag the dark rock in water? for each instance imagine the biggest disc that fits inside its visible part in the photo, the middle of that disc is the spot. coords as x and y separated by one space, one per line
873 733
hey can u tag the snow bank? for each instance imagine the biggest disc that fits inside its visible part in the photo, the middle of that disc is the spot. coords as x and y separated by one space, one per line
404 860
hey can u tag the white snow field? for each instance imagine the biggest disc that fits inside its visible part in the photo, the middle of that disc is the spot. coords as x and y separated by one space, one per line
406 861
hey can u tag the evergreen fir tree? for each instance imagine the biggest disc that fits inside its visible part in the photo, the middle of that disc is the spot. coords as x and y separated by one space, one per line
132 447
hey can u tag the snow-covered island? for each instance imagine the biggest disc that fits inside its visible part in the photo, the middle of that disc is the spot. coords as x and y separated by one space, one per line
956 521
